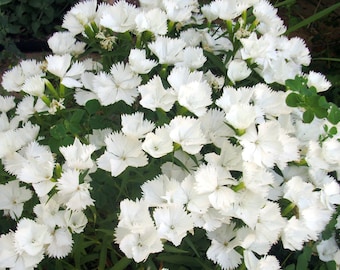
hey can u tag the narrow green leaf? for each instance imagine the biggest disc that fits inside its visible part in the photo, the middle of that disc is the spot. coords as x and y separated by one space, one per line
122 264
172 249
103 255
313 18
216 61
4 2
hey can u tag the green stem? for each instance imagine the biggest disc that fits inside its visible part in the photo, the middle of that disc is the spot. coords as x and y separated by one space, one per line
239 187
51 88
289 208
229 24
62 90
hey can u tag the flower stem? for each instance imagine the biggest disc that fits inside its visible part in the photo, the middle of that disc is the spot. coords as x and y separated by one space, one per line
288 209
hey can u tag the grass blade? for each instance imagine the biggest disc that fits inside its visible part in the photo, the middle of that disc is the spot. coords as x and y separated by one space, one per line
313 18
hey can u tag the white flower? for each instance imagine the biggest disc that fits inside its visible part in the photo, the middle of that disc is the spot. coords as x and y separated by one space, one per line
180 10
139 246
264 148
14 79
34 86
97 138
65 43
168 50
172 223
232 96
186 131
162 191
221 250
28 106
327 249
241 116
75 195
61 66
269 101
214 127
154 95
126 81
269 22
31 237
193 58
195 96
75 220
295 234
48 212
120 17
80 15
318 80
227 10
134 217
331 151
214 180
158 144
267 262
13 197
78 155
182 75
61 244
153 20
135 125
6 103
121 151
139 63
238 70
8 254
33 164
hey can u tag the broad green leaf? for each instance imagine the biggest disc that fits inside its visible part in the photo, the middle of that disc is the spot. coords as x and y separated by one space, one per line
293 100
334 115
308 116
92 106
296 84
58 131
77 115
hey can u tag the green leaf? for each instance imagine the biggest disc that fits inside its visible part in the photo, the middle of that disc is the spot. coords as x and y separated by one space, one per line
308 116
296 84
58 131
293 100
92 106
122 264
334 115
290 267
216 61
313 18
179 260
4 2
172 249
304 258
77 116
320 112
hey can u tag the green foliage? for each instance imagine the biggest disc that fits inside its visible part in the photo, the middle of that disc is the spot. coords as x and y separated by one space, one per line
28 19
315 105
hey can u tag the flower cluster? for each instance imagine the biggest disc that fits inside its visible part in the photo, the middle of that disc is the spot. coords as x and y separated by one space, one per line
199 117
